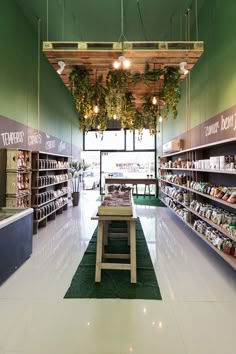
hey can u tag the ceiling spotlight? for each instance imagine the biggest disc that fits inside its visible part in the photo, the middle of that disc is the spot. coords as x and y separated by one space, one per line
121 61
182 67
62 65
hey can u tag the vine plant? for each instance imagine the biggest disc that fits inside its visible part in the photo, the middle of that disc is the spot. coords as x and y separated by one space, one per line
116 101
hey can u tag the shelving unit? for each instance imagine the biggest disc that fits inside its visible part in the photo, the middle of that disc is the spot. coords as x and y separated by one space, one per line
50 186
16 184
190 179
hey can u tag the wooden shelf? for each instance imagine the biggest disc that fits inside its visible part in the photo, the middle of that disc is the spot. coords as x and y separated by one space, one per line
217 227
233 172
233 206
43 208
52 212
229 259
216 177
52 184
48 201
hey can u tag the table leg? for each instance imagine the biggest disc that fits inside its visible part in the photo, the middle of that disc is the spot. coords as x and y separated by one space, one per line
99 251
133 272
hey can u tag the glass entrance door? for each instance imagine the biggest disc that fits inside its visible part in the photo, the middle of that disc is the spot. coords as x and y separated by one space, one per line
133 164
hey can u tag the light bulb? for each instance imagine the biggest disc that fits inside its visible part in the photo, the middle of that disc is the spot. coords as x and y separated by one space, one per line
98 127
116 64
96 109
115 116
126 64
85 116
122 61
160 119
154 100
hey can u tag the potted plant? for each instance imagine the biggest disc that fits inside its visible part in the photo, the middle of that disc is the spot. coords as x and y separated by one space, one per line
76 168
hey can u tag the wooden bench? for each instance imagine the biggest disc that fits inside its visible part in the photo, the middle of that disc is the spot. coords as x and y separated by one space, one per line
102 240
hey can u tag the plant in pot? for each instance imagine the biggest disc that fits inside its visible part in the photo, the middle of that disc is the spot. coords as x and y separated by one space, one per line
76 168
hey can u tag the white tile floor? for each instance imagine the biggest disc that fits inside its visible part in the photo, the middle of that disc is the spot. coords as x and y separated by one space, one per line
196 316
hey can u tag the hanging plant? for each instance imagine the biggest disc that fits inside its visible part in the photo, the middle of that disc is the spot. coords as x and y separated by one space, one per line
116 100
171 93
81 89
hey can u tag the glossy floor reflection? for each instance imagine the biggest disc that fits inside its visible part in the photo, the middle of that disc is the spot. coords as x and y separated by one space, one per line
196 316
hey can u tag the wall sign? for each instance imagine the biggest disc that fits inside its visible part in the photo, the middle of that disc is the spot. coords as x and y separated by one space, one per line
216 129
16 135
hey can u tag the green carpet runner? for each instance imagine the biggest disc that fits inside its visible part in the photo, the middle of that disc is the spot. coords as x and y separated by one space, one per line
116 283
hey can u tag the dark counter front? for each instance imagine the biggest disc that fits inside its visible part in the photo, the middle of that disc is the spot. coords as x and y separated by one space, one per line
16 233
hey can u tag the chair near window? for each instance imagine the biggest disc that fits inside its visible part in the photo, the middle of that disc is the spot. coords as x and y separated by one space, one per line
147 189
135 188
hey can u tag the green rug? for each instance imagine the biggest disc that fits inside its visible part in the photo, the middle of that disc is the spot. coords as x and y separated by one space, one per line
115 283
148 200
141 200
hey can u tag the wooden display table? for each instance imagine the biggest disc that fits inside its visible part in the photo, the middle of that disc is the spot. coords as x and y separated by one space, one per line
102 239
133 181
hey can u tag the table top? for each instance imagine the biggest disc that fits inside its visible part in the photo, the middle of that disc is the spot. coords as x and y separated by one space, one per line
123 180
133 217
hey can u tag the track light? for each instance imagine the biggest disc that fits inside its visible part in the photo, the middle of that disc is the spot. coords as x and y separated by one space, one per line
62 67
182 67
122 62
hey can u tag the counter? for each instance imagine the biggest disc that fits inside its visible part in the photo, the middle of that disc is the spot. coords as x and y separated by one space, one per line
16 231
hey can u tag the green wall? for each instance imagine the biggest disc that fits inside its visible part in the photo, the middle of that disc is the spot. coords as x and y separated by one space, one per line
213 78
19 92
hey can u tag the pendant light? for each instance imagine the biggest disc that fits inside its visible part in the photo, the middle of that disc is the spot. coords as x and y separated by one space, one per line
122 62
154 99
96 108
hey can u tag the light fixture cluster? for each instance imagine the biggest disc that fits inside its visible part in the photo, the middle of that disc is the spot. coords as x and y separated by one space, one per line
62 65
182 67
122 63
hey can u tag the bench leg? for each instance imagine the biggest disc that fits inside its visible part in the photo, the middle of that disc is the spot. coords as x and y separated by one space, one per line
99 251
133 272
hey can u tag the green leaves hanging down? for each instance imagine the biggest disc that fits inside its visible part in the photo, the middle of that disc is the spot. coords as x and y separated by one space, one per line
171 92
115 98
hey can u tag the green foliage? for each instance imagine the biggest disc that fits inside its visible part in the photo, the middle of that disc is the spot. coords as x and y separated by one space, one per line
116 100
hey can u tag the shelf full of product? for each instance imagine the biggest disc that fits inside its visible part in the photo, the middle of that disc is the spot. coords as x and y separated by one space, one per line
50 186
189 188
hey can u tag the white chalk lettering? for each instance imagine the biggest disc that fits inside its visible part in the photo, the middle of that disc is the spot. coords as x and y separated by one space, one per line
227 122
50 144
34 139
212 129
234 121
61 146
12 138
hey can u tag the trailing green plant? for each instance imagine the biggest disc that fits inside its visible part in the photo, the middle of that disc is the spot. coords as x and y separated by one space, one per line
116 101
171 93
